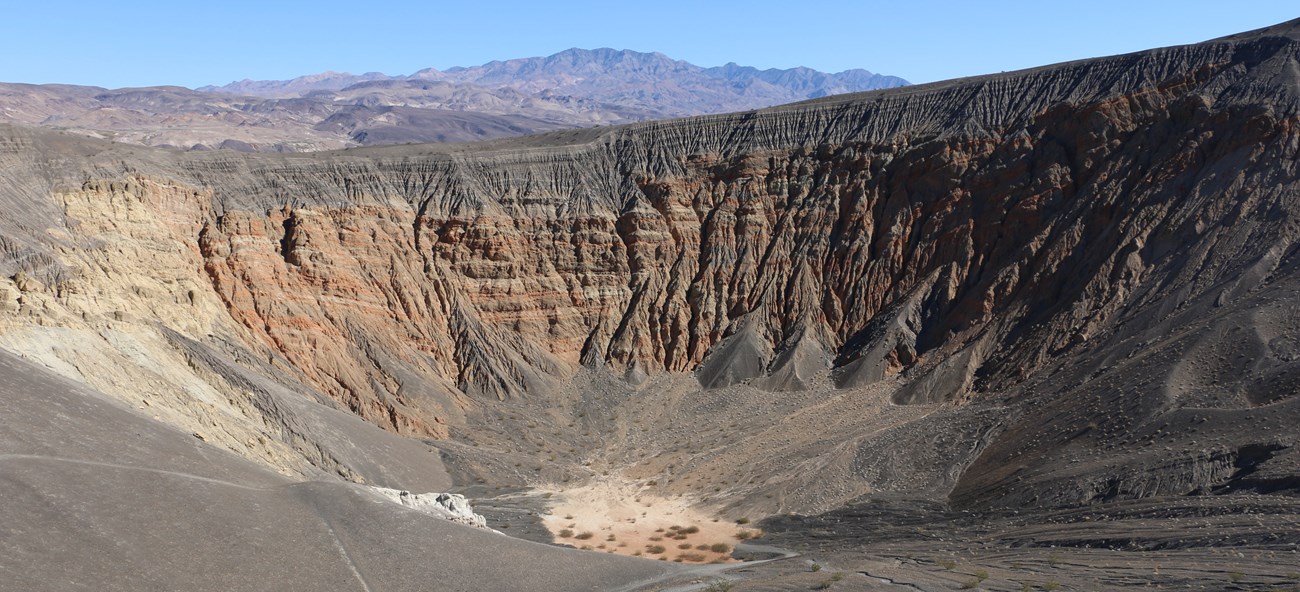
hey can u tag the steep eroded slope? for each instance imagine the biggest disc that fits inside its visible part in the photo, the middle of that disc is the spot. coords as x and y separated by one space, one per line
950 244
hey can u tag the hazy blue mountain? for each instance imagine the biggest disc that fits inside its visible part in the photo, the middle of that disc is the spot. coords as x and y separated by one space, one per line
645 81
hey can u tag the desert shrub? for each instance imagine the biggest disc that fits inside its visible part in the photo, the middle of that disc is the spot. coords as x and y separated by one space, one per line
566 533
655 549
684 546
584 536
742 521
695 557
720 548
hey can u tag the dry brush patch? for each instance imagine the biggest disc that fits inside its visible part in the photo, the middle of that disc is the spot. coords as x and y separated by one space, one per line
632 522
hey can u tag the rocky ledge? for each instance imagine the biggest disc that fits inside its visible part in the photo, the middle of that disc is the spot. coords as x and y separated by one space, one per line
448 506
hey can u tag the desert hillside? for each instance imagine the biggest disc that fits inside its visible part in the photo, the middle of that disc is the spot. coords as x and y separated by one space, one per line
1031 292
575 88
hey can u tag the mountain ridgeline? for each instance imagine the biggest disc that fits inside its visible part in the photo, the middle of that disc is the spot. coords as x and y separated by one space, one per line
635 80
574 88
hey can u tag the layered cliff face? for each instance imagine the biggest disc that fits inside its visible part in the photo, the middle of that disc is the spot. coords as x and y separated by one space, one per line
647 247
961 243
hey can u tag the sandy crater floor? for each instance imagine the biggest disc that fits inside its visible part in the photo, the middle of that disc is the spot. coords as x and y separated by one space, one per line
616 516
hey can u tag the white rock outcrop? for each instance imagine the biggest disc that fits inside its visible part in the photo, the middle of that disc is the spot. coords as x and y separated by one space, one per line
448 506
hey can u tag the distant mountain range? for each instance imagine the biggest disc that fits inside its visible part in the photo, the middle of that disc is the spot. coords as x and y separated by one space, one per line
573 88
636 80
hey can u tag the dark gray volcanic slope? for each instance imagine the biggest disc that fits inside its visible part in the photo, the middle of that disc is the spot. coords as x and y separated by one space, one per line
97 497
1068 286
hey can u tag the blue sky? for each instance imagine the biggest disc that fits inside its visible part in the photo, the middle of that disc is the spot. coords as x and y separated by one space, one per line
213 42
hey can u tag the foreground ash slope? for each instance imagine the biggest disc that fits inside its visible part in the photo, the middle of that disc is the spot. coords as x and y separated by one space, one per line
99 497
1090 267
